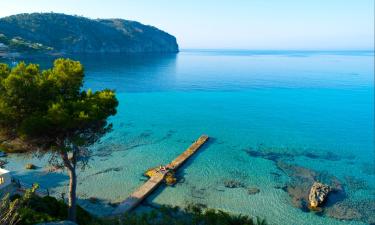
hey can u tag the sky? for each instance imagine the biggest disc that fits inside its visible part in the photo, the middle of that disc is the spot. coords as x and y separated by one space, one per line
233 24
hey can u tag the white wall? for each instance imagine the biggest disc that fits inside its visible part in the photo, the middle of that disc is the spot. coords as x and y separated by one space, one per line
5 178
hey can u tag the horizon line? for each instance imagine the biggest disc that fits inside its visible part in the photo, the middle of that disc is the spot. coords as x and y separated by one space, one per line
265 50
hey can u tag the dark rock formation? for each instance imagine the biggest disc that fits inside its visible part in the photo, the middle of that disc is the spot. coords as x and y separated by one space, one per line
253 190
30 166
275 154
234 184
362 210
301 181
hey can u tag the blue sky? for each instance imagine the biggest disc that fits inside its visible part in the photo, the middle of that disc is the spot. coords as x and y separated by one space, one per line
233 24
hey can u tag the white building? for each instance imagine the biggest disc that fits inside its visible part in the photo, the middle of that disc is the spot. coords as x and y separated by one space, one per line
5 178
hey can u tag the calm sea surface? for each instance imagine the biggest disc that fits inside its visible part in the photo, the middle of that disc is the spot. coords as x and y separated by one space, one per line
308 109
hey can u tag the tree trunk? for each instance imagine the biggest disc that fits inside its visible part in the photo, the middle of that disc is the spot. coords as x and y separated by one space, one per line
71 167
72 195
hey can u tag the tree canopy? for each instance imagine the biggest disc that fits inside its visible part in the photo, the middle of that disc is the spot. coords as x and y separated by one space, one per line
48 107
48 110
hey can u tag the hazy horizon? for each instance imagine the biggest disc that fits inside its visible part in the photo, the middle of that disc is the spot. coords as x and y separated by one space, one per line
243 25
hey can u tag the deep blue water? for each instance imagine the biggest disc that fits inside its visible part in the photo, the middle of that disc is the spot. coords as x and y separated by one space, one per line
309 109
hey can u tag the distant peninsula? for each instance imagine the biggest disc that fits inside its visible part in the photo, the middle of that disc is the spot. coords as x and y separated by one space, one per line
57 33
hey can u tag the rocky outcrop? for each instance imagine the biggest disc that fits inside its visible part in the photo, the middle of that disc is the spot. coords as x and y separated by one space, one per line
60 33
318 194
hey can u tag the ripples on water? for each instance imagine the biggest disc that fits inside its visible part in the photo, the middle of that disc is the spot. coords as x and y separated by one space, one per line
274 116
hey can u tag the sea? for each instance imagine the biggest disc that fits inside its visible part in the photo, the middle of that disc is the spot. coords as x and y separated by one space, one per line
277 121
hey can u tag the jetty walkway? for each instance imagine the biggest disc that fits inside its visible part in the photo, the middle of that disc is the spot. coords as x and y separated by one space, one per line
157 178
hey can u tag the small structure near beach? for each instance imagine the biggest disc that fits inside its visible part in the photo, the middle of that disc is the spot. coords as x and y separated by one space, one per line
5 179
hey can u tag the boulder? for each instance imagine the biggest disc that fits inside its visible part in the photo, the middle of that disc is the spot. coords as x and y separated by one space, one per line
30 166
318 194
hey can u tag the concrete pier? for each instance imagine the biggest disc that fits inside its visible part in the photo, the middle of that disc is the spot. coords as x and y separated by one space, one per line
147 188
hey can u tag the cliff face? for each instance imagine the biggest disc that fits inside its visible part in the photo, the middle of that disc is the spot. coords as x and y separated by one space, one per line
72 34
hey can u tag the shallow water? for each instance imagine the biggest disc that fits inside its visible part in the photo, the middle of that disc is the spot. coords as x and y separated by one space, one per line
312 109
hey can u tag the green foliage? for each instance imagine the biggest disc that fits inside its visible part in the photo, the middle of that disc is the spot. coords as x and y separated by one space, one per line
10 209
49 106
74 34
30 209
192 215
48 110
46 209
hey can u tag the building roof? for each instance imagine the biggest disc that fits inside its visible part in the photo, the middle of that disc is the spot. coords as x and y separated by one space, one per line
3 171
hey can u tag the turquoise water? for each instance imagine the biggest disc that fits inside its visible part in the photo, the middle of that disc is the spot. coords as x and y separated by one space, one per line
311 109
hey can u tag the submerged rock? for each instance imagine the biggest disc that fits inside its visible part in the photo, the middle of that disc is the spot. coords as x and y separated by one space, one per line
343 211
269 155
93 200
301 182
277 154
30 166
253 190
53 168
170 179
361 210
318 194
234 184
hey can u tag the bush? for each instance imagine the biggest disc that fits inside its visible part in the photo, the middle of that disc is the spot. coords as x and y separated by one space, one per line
36 209
32 209
192 215
44 209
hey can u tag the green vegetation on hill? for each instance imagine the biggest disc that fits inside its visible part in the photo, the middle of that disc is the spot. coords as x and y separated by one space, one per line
20 45
73 34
